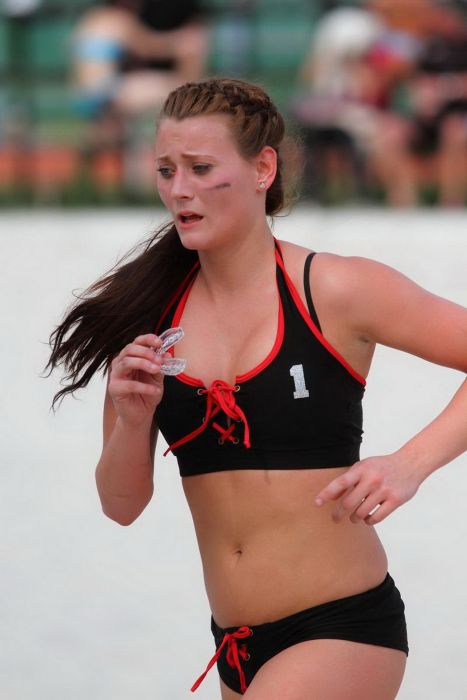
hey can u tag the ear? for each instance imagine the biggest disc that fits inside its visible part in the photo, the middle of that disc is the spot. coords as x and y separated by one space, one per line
266 166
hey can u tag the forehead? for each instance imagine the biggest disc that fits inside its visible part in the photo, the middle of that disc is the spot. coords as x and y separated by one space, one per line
202 134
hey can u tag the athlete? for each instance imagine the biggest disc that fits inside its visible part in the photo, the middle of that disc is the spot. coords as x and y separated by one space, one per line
266 419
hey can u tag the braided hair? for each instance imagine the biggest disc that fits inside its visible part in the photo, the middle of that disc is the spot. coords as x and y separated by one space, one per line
128 300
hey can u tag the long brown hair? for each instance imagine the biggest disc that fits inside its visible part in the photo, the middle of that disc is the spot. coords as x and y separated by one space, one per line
128 300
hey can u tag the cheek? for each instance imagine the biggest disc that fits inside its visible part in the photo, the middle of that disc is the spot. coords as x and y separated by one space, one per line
163 190
225 188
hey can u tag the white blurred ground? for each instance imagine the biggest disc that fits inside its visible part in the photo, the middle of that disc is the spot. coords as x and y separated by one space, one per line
90 610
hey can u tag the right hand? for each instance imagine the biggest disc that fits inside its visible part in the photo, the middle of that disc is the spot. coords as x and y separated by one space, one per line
136 384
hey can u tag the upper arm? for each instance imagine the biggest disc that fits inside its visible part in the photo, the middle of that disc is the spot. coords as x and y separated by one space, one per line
387 307
147 43
110 417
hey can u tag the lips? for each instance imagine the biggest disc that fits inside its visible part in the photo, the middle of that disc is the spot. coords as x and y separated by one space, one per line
188 217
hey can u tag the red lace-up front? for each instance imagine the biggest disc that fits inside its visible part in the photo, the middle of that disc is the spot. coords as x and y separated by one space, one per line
233 654
219 398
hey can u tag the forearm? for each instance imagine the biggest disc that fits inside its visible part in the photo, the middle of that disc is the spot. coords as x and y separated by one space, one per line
441 441
124 473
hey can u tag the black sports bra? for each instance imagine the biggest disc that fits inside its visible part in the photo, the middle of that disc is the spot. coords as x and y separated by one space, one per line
300 408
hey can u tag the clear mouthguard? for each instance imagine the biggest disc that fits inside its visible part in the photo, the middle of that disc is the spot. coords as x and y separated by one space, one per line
171 365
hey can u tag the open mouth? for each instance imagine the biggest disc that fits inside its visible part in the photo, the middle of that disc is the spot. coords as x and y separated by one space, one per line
189 218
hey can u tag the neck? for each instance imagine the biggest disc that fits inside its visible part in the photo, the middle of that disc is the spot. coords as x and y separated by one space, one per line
243 264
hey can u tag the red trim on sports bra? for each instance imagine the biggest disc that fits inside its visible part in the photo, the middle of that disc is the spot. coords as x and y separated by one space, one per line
309 321
182 377
233 654
274 351
175 296
240 378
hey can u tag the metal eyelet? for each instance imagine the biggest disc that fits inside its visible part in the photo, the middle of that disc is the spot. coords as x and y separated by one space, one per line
199 391
220 441
203 419
237 387
247 657
236 441
251 632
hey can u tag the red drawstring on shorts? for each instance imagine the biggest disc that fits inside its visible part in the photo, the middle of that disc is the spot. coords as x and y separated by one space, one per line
233 653
219 398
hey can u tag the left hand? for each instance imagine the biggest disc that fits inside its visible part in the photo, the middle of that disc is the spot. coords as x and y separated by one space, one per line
383 482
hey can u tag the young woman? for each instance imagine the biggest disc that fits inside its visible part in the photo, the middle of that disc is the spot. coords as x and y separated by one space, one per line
266 423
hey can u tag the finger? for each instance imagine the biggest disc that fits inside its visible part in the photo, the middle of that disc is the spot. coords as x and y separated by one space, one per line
135 350
371 502
382 512
128 387
129 364
338 487
151 346
350 501
154 377
148 339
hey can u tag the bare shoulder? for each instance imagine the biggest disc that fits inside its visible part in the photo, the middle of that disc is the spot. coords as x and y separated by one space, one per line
380 304
332 276
295 255
349 280
398 312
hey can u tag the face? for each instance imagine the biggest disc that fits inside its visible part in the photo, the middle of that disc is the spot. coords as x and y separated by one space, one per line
208 187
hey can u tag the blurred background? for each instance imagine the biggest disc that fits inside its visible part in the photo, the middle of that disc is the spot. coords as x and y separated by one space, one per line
376 89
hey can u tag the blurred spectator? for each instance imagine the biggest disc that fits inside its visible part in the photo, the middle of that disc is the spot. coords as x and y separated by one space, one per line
166 47
127 56
430 149
356 132
354 63
425 146
183 58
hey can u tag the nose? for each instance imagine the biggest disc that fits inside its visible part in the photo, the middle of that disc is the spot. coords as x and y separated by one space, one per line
181 188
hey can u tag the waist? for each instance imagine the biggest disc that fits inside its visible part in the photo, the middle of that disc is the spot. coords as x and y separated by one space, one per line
267 551
276 576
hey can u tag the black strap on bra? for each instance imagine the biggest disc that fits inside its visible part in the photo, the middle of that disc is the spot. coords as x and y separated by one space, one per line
306 284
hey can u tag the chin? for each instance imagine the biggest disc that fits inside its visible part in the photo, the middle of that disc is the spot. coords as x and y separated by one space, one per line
192 240
198 240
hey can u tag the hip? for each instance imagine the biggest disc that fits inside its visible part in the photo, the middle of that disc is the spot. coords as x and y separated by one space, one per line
270 580
372 617
374 613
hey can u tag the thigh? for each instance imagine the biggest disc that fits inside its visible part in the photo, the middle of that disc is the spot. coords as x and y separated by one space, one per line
329 669
227 693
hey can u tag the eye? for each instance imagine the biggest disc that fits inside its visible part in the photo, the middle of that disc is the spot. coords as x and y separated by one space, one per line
165 172
201 168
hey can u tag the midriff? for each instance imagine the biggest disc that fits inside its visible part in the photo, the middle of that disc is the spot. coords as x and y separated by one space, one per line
268 551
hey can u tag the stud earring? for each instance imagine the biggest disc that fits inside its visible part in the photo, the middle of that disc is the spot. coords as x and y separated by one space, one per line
262 185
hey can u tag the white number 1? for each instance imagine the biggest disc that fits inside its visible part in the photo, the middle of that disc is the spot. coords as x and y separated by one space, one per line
301 392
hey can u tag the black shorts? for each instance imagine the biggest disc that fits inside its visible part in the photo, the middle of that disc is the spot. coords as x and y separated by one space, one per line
372 617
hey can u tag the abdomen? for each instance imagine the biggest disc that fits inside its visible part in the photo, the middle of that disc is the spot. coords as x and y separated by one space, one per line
268 551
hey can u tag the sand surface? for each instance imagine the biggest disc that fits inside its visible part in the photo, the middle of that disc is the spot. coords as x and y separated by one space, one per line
90 610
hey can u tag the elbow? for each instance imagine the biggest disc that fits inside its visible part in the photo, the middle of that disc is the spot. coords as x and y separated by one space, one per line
123 511
123 519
